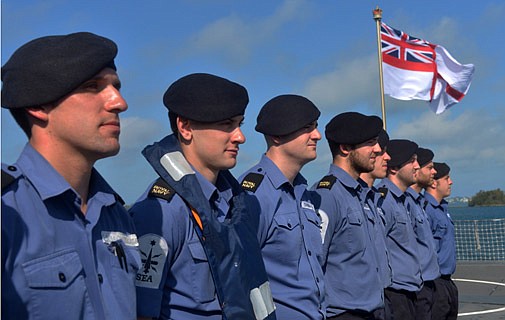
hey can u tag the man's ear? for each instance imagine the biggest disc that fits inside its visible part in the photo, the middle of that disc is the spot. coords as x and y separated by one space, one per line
345 149
277 140
184 128
40 113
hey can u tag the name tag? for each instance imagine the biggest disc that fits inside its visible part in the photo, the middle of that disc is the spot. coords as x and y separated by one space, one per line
130 239
308 205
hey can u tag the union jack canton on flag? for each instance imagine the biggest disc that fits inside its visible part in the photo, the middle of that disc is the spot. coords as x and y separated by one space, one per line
416 69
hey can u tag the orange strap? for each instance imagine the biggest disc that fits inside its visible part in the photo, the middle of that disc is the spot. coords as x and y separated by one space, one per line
197 218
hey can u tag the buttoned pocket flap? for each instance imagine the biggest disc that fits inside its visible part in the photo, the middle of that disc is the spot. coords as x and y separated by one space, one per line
57 270
401 218
287 221
197 251
354 217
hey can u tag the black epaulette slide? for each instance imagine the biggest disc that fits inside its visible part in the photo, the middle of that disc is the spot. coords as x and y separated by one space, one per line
7 179
383 191
252 181
161 189
327 182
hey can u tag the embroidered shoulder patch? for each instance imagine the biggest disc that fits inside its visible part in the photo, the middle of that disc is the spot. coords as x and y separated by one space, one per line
153 253
252 181
161 189
327 182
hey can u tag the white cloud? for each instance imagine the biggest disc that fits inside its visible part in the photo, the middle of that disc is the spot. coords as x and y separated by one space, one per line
350 82
137 132
234 39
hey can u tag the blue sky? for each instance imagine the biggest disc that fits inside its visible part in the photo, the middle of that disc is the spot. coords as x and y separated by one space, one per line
324 50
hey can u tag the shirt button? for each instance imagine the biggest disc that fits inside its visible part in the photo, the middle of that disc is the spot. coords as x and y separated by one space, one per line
310 253
100 278
317 279
302 226
12 168
289 225
62 277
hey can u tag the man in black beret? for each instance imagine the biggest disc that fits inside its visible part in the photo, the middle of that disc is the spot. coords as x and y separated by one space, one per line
289 231
381 162
445 298
401 240
196 229
353 282
68 245
373 200
426 244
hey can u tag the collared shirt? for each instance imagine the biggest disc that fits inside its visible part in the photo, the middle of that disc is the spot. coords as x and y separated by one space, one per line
352 278
56 259
401 240
426 243
179 283
290 238
442 228
376 219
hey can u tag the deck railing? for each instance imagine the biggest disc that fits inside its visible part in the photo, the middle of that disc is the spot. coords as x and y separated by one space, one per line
480 239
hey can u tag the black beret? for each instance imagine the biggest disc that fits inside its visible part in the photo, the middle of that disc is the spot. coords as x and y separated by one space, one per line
424 156
400 151
442 170
383 139
353 128
285 114
48 68
205 97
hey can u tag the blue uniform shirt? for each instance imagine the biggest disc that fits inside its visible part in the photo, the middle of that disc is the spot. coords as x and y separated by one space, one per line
290 238
401 239
179 284
56 262
352 278
369 197
442 228
424 237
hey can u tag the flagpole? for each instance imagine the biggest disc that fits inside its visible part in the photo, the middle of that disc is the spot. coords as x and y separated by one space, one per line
377 15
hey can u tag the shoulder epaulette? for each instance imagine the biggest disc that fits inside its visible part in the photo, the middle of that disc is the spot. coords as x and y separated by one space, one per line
252 181
8 178
161 189
327 182
383 191
119 199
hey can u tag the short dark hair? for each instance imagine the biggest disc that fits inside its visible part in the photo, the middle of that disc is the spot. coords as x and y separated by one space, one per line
334 148
172 118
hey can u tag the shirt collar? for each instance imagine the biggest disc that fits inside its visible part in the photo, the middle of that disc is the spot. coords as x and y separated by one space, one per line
222 187
414 194
44 178
393 188
431 200
275 175
49 183
344 178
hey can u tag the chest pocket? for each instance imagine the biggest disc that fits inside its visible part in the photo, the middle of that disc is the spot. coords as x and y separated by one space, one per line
58 280
287 241
440 231
355 233
202 284
401 229
123 278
